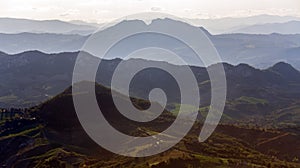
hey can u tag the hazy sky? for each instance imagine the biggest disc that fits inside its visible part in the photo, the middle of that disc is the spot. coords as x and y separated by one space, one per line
106 10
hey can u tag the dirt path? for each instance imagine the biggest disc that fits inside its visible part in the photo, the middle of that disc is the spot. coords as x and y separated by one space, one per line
273 139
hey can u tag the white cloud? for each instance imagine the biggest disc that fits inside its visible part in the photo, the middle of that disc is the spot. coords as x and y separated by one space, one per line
106 10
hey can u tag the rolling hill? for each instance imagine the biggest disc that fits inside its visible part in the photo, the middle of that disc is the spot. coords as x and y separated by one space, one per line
52 136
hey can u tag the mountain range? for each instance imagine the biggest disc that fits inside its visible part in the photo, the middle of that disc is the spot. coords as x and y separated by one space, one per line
214 25
33 77
260 125
230 24
13 26
291 27
260 51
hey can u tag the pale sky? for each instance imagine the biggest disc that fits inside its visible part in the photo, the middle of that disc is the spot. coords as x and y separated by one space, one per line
107 10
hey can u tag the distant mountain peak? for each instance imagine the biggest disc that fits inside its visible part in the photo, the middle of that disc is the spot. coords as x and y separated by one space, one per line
169 20
243 66
32 52
245 69
179 22
157 22
3 53
137 21
281 66
286 70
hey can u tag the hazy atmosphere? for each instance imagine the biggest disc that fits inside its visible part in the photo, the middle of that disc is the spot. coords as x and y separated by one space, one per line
106 10
149 84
